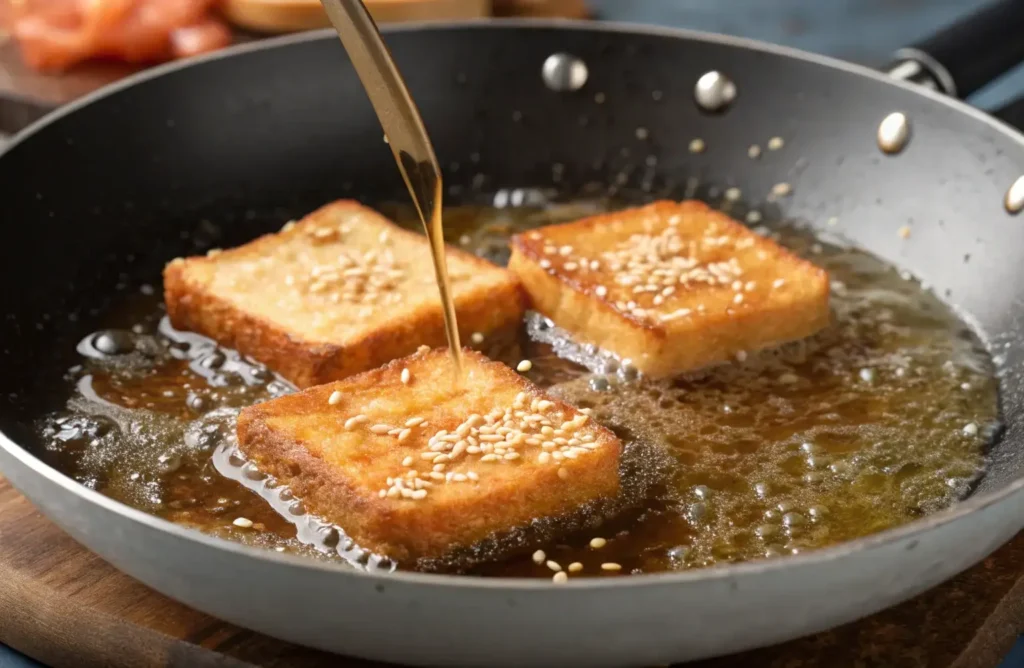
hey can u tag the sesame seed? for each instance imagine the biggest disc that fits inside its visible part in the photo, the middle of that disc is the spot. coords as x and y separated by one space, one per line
412 422
335 398
610 566
243 522
553 565
382 493
697 145
419 494
407 461
971 429
904 232
524 366
563 473
598 543
543 458
477 338
472 476
754 151
560 577
406 376
512 455
356 420
539 557
381 428
575 567
741 356
775 143
782 189
404 434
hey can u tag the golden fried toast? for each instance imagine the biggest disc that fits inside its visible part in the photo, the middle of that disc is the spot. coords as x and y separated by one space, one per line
670 286
413 465
342 291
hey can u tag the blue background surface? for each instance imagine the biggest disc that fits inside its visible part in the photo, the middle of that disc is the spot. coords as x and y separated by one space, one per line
864 31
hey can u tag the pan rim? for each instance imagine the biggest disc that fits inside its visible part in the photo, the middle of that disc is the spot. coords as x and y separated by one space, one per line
505 584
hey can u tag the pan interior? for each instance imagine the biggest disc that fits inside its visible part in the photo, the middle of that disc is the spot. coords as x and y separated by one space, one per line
188 176
874 422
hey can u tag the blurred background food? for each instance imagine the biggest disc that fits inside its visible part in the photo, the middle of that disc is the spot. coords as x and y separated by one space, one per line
56 35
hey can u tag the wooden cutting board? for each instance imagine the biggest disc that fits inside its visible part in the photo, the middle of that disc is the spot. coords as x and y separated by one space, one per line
276 16
64 606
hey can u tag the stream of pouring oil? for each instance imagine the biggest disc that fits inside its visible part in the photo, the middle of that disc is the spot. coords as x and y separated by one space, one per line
405 133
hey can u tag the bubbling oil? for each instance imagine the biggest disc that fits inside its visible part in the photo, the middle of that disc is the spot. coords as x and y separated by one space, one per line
879 419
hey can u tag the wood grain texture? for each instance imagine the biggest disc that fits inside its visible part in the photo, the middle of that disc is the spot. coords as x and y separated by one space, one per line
279 16
64 606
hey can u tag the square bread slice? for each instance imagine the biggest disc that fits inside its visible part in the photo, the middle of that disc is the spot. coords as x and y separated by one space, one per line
342 291
413 465
670 286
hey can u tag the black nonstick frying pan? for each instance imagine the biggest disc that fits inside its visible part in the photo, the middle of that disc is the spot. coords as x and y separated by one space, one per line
101 194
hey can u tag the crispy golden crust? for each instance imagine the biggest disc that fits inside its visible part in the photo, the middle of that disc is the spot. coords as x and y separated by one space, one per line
339 472
239 297
680 311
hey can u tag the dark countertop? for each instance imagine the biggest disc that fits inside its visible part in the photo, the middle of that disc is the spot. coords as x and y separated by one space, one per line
863 31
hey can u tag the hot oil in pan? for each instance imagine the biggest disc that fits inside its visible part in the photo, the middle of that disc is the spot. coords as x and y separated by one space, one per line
879 419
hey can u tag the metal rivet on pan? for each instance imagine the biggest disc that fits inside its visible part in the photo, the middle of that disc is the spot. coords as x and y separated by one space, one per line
714 91
893 133
564 72
1014 200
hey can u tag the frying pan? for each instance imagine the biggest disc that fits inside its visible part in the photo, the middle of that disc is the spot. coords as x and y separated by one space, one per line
99 195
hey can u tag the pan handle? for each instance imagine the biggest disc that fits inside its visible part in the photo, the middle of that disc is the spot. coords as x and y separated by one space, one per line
967 55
